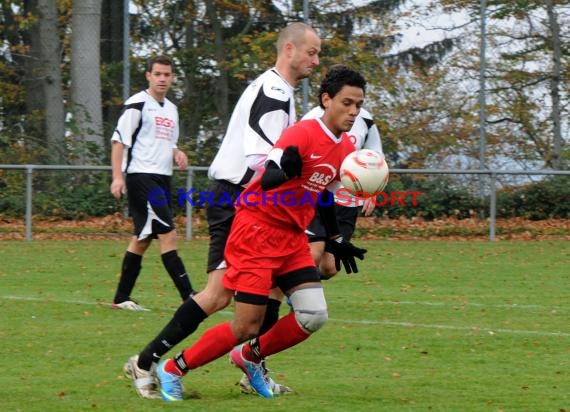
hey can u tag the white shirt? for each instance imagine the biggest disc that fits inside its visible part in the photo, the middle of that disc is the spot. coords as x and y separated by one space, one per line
364 134
150 132
264 110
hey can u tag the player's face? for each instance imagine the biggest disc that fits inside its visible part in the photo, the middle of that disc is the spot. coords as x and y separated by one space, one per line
305 57
159 79
342 109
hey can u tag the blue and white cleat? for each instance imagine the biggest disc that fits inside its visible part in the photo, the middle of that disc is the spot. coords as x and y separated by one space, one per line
171 388
255 372
277 388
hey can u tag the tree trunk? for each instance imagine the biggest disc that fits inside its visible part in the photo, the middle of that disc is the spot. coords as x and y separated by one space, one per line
190 124
112 63
44 96
86 79
222 91
555 83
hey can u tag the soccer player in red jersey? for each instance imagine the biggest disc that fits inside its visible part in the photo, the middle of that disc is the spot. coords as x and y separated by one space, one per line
268 245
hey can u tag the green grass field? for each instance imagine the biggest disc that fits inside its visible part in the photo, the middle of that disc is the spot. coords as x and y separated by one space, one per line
425 326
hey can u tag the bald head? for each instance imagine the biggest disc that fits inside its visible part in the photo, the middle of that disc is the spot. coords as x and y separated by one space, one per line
298 48
293 33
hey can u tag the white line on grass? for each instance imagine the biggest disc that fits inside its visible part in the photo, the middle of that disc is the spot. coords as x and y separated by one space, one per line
450 327
479 305
353 322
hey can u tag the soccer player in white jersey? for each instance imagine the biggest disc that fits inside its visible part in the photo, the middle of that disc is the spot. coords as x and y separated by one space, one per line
143 151
364 134
263 111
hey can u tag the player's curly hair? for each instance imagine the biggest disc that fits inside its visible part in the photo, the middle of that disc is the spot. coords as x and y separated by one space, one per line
337 77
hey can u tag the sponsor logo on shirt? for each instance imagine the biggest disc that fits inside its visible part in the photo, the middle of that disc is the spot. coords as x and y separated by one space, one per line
164 122
164 128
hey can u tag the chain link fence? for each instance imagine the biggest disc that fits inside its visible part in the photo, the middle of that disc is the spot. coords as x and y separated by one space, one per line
73 185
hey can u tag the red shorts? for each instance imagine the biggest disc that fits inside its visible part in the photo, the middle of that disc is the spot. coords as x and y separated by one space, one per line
256 253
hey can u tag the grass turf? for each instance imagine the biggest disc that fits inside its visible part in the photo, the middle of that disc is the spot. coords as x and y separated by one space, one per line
424 326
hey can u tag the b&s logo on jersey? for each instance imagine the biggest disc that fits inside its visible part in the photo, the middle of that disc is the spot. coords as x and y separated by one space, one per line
324 174
164 121
164 127
320 178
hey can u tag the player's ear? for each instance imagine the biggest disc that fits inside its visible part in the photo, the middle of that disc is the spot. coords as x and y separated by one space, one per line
326 100
289 48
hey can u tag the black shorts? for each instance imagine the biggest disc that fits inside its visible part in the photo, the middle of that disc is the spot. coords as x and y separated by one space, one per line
149 204
346 217
220 217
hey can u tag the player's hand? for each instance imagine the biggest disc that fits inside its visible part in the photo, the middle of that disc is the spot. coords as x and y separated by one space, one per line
118 188
368 207
181 159
345 252
291 162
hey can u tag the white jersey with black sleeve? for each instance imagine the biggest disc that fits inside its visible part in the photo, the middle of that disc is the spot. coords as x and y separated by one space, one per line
264 110
149 130
364 134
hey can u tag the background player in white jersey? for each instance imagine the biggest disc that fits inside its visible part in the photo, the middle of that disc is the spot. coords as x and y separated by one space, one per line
264 110
268 245
364 134
143 151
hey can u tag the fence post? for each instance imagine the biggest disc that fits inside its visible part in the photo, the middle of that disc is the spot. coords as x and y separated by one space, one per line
189 204
29 181
493 207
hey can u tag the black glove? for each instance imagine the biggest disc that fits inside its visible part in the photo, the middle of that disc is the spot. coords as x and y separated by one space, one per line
291 162
345 252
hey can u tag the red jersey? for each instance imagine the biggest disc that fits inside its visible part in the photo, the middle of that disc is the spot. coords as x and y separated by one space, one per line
292 204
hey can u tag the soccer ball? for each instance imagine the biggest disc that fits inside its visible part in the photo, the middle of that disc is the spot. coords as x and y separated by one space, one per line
364 172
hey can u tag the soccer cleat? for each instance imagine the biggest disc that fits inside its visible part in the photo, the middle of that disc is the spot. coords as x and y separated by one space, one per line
171 388
277 388
255 372
144 381
129 305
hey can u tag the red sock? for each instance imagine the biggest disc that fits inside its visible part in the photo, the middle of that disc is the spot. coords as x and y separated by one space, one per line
214 343
170 367
284 334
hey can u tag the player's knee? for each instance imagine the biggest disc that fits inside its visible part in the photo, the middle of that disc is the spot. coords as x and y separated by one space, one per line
245 331
212 300
312 321
310 308
222 301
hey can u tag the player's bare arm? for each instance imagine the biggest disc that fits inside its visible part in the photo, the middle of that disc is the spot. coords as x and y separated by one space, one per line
118 183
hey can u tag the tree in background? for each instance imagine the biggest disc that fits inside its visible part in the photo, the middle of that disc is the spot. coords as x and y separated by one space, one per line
85 108
527 77
112 46
424 98
33 111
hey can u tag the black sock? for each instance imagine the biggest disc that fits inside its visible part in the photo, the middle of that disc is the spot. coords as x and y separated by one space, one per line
129 273
184 322
271 315
177 272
